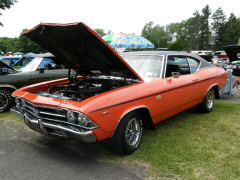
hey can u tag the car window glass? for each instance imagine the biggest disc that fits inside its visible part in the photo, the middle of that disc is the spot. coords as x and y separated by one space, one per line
47 63
6 61
145 66
26 64
182 64
193 64
177 64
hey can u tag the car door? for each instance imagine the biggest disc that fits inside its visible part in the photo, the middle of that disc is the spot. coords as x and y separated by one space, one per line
48 70
18 79
180 92
41 74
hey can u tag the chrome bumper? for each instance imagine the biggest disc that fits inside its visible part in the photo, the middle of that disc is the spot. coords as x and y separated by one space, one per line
56 130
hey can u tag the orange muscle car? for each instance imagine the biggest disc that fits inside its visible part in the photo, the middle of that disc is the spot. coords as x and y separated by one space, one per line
111 95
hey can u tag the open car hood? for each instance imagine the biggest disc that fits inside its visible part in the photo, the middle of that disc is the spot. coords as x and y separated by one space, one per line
81 48
232 51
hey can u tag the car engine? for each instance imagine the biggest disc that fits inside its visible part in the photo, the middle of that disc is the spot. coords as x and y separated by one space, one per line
86 88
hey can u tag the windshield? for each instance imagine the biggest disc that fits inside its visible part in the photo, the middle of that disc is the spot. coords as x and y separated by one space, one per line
27 64
146 66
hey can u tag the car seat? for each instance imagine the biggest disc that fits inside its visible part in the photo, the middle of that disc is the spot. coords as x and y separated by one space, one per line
170 69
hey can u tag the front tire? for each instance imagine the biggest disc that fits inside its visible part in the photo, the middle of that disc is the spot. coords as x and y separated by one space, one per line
128 135
6 100
208 103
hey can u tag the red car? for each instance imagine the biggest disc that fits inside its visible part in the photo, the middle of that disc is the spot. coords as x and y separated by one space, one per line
112 95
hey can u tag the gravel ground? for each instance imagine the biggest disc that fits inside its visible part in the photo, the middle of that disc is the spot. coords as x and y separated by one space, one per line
235 99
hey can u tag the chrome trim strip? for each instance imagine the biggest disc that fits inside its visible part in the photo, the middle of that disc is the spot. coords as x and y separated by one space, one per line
58 115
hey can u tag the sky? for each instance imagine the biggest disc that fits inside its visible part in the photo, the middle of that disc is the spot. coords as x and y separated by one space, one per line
126 16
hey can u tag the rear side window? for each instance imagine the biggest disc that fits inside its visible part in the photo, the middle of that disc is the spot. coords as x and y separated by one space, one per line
51 63
182 64
193 65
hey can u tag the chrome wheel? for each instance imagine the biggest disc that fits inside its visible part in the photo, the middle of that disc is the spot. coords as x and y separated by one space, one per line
132 133
6 100
128 134
208 102
3 100
210 99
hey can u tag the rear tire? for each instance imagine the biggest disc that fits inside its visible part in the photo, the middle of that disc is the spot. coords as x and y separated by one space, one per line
128 135
208 103
6 100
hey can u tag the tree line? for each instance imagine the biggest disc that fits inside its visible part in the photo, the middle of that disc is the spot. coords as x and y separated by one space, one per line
203 31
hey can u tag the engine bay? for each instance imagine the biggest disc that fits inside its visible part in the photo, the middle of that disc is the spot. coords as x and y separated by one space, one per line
88 87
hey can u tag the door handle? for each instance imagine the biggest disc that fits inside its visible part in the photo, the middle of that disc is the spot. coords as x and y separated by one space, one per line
195 80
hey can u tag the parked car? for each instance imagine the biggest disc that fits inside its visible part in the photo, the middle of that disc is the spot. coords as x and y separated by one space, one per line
9 60
220 58
28 70
113 95
233 53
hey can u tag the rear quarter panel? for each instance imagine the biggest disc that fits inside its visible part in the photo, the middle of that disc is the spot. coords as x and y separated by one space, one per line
208 77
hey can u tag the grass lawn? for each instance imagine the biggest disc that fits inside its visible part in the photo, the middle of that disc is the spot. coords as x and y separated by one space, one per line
187 146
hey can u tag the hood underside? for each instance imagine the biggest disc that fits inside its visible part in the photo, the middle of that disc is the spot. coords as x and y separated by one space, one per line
232 52
81 48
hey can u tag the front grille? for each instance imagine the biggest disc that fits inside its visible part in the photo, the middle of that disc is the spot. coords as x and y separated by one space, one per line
54 116
45 113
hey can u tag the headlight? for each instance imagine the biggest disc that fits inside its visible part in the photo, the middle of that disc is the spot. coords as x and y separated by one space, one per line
84 121
70 116
80 119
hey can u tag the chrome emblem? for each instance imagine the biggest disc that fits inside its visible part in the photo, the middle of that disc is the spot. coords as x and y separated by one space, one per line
70 104
104 113
158 97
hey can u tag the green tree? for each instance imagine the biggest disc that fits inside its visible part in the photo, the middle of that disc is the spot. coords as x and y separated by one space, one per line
6 4
100 32
178 45
109 32
204 28
218 19
172 32
158 36
8 44
147 30
26 45
229 33
195 30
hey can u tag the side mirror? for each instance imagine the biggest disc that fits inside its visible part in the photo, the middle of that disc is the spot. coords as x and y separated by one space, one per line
41 70
175 74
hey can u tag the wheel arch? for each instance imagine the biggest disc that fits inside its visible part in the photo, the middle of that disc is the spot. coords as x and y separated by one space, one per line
9 87
216 91
144 112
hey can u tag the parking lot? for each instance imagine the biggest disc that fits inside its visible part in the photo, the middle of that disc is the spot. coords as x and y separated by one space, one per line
25 154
